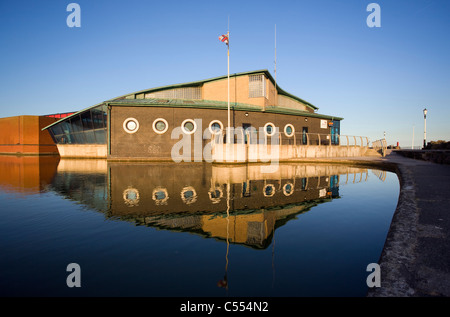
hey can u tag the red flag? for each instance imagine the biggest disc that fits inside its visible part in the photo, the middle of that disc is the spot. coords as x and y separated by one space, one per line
224 38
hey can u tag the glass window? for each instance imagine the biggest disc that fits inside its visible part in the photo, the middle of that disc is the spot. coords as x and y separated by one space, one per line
288 189
79 138
269 190
160 125
269 129
90 137
289 130
98 118
189 126
76 124
100 136
189 195
86 119
56 129
215 127
130 125
256 86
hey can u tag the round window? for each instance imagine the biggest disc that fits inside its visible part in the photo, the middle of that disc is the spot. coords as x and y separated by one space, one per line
130 125
269 190
131 197
269 129
288 189
215 127
160 196
189 126
189 195
289 130
160 125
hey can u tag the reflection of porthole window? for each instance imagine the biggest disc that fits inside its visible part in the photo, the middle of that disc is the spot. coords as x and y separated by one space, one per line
215 195
289 130
288 189
189 126
130 125
269 129
160 126
189 195
215 127
131 196
269 190
160 196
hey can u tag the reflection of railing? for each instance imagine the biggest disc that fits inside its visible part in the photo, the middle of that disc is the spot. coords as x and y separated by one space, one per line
380 174
380 145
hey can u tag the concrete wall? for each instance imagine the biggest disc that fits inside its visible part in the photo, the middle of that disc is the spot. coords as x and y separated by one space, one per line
23 135
82 150
240 153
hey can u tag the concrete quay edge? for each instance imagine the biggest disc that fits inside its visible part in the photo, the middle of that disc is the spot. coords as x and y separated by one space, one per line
415 260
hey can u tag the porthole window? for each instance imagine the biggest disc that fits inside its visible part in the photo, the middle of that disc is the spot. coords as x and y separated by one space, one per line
269 129
131 197
189 126
288 189
160 196
189 195
160 125
216 127
289 130
131 125
269 190
215 195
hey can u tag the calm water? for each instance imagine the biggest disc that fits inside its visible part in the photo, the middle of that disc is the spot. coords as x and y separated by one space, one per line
190 230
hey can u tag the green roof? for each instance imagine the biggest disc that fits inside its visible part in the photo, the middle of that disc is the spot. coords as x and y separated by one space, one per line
201 82
206 104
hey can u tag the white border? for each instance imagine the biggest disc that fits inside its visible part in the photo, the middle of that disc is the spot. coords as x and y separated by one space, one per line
125 125
160 201
191 200
189 132
293 130
130 202
215 132
285 191
165 122
215 200
273 190
273 130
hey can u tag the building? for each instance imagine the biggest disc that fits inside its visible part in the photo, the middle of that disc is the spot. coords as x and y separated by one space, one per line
141 125
23 135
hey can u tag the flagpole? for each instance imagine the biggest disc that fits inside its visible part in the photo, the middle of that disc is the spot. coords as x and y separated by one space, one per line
229 120
276 95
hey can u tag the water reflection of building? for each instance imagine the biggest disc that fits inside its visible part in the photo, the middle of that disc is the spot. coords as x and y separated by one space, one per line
26 174
196 197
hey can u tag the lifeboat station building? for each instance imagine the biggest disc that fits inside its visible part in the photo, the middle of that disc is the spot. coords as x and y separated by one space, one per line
140 125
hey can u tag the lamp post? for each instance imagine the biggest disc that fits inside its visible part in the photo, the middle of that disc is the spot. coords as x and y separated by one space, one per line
425 128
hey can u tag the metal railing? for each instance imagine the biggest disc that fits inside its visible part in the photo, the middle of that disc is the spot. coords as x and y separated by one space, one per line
308 139
380 145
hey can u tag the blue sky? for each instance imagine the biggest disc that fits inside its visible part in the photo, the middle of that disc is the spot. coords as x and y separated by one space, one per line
377 79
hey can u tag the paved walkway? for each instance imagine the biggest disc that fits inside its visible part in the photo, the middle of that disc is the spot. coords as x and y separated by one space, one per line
416 257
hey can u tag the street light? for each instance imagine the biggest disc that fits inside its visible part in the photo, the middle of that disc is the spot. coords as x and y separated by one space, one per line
425 128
